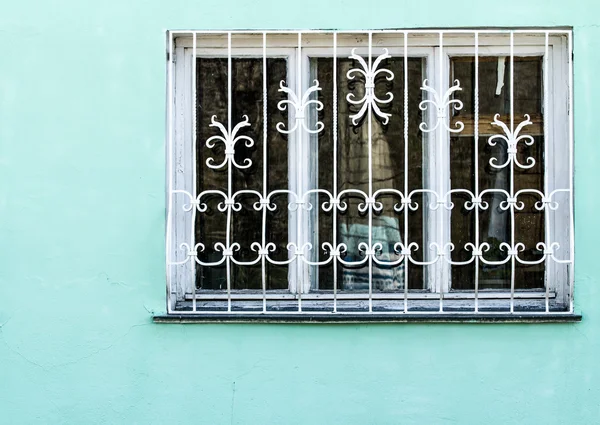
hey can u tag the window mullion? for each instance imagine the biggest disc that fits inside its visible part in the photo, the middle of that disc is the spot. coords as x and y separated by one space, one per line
183 182
444 187
438 207
438 174
293 166
309 163
558 173
430 180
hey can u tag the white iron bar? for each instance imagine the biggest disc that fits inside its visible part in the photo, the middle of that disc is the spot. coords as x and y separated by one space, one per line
571 176
512 171
367 313
194 166
265 158
335 169
476 137
168 236
228 229
299 181
370 149
546 177
362 296
406 210
539 31
442 141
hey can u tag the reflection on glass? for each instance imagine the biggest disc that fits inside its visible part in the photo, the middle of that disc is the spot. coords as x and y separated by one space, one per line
211 227
495 223
387 143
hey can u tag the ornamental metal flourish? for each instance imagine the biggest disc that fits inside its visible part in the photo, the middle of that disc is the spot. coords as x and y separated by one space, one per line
370 99
511 138
437 256
229 139
300 108
442 105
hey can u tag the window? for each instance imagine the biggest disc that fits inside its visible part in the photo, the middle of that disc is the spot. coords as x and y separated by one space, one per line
388 172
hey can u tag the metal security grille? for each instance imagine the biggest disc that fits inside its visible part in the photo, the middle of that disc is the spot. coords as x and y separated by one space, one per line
428 243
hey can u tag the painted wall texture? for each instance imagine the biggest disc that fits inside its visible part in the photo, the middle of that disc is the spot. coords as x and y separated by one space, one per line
82 165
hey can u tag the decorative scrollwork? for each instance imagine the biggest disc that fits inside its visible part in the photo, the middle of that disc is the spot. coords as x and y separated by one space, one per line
370 99
370 202
264 203
406 202
512 202
229 140
300 106
547 251
547 202
476 201
442 106
334 203
511 139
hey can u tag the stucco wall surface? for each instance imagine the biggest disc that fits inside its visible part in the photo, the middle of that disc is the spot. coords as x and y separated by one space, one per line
82 106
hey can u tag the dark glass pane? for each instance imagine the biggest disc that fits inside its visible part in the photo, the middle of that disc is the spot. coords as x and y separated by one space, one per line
388 172
495 223
211 227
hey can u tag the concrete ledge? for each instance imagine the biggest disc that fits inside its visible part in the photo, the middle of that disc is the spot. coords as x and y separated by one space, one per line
367 318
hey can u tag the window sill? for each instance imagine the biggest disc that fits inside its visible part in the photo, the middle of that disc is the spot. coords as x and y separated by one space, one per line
317 317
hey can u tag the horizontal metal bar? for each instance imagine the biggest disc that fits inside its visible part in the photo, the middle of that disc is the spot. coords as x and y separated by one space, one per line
364 296
383 31
319 45
314 318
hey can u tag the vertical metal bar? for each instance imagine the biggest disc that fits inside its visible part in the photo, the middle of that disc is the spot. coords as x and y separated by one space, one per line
406 206
546 176
168 236
265 158
476 136
229 176
194 173
441 207
370 206
335 170
571 175
299 182
512 172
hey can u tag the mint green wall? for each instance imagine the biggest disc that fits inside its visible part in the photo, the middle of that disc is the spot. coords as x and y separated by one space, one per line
82 95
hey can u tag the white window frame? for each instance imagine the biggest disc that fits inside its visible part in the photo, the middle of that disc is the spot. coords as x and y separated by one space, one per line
436 177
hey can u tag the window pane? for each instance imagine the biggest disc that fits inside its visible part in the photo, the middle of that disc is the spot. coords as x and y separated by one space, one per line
495 223
352 172
211 226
